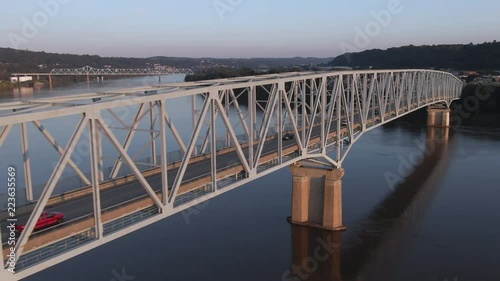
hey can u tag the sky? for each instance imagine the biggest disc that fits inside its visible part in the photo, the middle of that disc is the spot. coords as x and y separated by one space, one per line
242 28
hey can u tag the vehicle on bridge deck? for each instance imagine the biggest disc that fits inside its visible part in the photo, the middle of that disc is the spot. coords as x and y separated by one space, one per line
288 137
46 219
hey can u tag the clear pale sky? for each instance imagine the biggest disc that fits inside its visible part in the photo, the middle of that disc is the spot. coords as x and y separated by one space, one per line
239 28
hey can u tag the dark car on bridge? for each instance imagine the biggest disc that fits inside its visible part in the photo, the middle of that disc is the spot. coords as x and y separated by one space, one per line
46 219
288 137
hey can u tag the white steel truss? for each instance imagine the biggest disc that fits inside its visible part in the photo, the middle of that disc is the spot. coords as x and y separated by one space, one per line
242 129
87 70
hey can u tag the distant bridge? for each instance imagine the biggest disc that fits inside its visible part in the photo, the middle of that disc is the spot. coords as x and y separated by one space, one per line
90 71
87 70
214 145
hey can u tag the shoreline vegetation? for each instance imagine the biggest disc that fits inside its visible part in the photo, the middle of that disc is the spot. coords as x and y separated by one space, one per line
242 94
6 86
489 104
479 57
486 97
24 61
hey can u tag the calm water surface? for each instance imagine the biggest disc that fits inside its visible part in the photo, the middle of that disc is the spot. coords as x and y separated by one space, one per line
439 223
83 87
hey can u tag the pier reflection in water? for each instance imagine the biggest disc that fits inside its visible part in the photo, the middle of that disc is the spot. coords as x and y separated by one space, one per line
371 249
316 254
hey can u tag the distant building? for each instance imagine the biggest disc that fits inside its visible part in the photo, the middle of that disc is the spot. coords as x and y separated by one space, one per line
469 73
21 79
342 68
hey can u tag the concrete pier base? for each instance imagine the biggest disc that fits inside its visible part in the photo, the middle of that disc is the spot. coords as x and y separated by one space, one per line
317 203
438 117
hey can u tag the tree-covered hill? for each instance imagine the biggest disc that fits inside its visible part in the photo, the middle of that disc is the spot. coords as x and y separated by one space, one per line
484 56
12 61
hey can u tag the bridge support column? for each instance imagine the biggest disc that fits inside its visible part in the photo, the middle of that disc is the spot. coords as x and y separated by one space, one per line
300 198
332 210
438 117
317 197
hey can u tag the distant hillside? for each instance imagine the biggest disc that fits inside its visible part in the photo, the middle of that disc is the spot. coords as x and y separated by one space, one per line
464 57
12 60
221 73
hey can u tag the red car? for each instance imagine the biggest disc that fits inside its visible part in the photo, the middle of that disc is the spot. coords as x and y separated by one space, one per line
46 219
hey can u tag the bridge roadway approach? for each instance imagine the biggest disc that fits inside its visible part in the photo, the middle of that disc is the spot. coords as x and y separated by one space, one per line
123 199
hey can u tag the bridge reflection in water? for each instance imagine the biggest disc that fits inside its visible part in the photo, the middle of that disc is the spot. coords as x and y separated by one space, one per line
371 250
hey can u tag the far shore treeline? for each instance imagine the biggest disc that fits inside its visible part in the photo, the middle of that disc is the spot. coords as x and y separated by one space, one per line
479 57
489 104
482 58
262 93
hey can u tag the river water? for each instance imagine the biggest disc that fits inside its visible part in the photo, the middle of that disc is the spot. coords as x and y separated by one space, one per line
439 222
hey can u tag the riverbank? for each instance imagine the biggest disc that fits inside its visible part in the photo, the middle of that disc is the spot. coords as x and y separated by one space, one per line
5 86
484 96
67 86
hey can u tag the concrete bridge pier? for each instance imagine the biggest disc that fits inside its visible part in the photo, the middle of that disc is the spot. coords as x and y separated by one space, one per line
317 197
438 117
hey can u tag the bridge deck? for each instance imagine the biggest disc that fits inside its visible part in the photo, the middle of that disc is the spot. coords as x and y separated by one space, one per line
122 199
365 99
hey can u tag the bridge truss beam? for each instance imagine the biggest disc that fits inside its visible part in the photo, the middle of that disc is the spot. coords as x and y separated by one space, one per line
289 118
87 70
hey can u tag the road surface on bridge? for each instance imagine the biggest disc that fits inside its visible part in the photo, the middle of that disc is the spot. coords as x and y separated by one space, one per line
82 207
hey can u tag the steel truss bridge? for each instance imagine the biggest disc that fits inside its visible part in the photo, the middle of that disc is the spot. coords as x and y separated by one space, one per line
87 70
196 141
90 71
